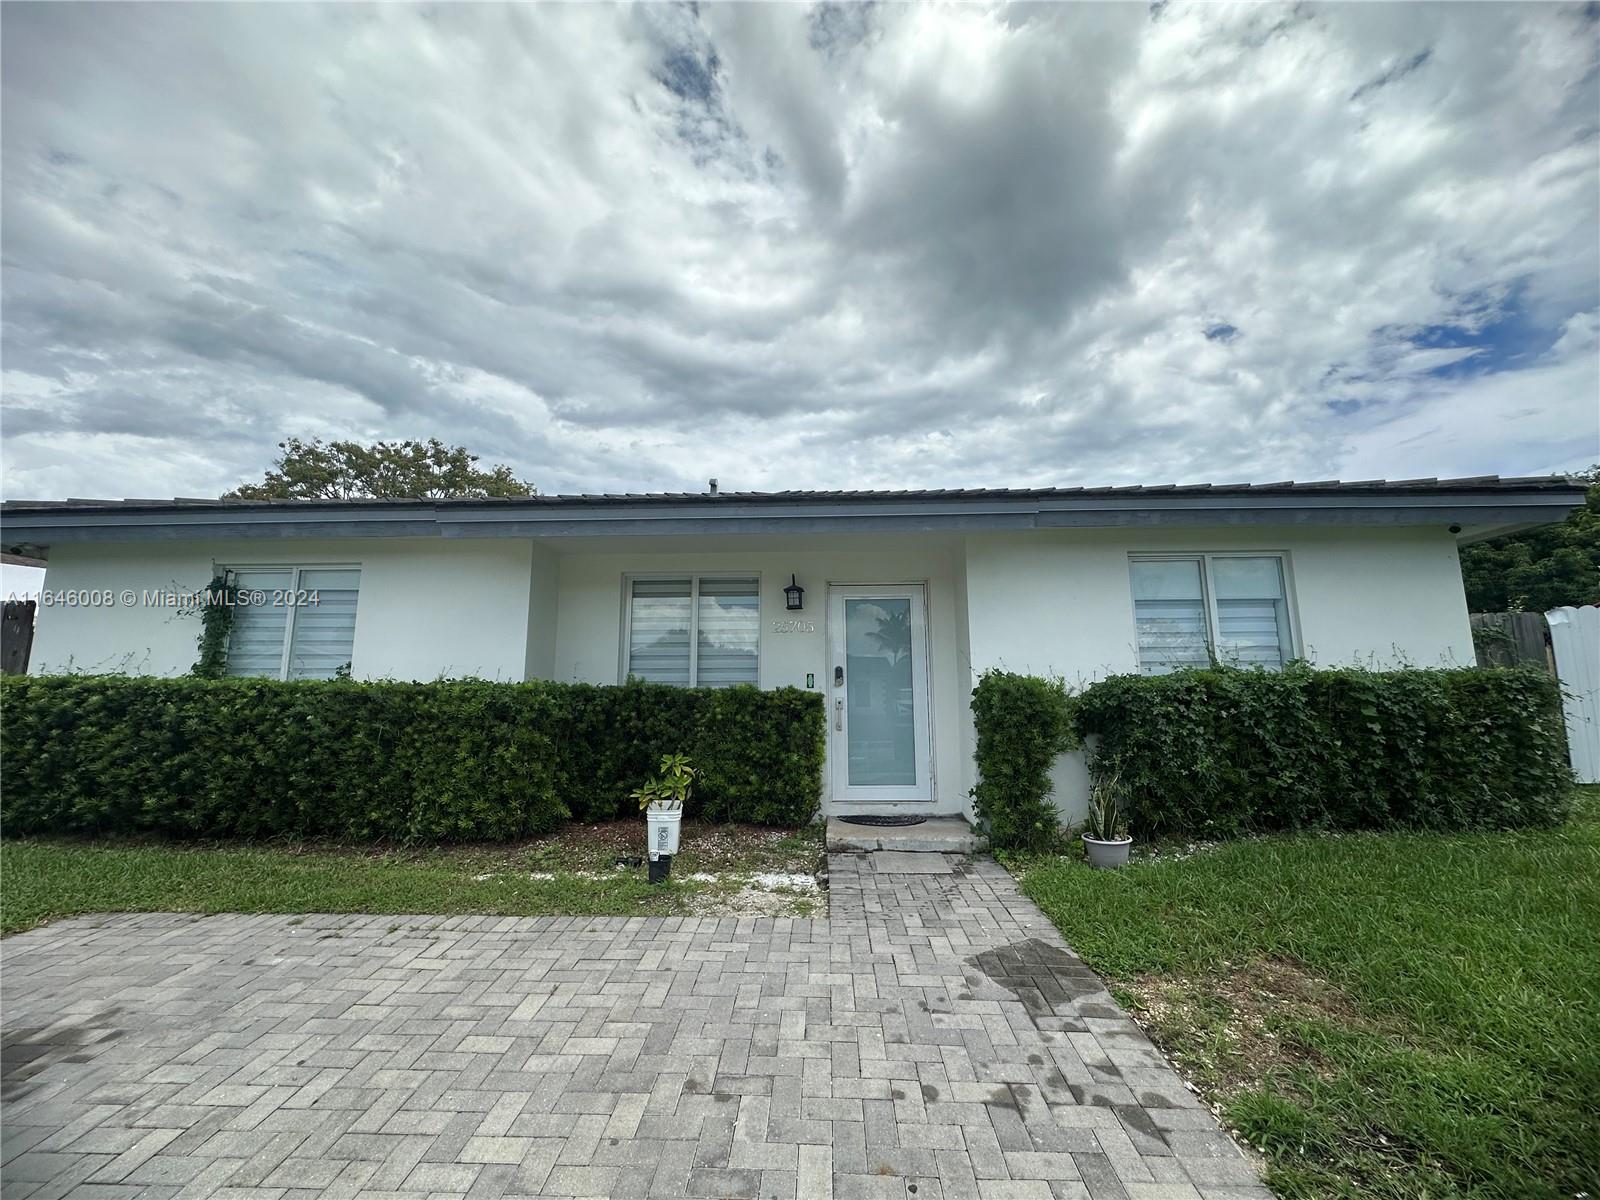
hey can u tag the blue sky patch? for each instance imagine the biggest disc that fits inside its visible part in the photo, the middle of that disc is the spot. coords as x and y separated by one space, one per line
1512 340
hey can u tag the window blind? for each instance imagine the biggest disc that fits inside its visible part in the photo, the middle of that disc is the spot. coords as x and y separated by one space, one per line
698 629
658 633
1170 616
321 636
255 636
1252 616
728 628
325 632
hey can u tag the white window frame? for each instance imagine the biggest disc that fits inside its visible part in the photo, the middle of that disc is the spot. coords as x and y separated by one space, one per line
233 569
1208 593
625 641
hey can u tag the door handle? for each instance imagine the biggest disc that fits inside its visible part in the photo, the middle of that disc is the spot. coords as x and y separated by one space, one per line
838 713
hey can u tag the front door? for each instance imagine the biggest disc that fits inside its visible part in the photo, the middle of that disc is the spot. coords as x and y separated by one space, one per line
878 696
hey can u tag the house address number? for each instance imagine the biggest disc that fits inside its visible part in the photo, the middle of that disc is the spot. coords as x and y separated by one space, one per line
794 627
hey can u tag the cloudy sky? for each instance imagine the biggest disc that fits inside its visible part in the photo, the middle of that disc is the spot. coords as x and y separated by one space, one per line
888 246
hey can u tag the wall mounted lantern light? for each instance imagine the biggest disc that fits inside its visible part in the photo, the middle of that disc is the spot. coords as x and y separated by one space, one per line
792 595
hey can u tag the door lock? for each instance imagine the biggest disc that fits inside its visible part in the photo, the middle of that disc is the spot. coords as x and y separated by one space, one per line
838 713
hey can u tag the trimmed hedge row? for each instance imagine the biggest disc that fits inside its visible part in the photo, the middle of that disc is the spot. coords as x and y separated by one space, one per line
1220 751
757 755
453 760
1022 723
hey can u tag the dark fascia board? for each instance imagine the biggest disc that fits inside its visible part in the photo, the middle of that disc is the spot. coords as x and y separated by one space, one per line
1469 507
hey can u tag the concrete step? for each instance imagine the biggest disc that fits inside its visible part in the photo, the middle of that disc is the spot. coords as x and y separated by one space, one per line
936 835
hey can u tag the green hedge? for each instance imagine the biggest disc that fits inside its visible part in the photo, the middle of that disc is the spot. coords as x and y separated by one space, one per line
1022 723
453 760
1221 751
758 754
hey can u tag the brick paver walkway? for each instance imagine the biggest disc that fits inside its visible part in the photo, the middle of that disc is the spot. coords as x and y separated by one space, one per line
932 1040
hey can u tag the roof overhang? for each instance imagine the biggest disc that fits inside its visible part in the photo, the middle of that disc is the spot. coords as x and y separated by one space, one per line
1479 512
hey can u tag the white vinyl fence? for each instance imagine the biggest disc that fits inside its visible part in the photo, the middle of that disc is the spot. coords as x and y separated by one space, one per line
1575 639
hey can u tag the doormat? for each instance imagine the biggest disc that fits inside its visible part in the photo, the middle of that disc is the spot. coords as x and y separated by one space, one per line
883 822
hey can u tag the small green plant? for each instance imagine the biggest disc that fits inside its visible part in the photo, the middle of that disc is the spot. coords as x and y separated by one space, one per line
1108 811
669 789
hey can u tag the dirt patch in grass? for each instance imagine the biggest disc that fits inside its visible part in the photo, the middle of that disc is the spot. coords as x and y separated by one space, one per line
1233 1030
591 848
732 870
765 894
702 847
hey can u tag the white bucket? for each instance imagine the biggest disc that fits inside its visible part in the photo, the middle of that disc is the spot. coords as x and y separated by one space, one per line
662 830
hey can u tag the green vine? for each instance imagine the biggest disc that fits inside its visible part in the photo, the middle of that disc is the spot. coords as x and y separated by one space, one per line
216 619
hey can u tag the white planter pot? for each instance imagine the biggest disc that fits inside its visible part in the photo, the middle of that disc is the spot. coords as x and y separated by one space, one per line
661 827
1107 854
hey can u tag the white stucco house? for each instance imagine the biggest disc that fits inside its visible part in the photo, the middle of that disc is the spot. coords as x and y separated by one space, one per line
907 596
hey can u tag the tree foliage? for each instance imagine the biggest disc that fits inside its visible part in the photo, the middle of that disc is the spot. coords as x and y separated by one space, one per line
409 470
1541 569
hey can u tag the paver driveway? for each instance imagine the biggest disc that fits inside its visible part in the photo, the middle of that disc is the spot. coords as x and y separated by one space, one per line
933 1039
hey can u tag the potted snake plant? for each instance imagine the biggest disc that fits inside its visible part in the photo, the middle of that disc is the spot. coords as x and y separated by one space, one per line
1105 834
662 800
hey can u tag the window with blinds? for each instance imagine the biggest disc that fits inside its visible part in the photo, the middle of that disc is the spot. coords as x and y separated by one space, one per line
1189 609
1252 613
698 629
659 630
301 623
1169 611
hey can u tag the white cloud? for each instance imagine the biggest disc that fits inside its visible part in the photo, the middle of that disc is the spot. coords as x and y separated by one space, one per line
889 246
1536 416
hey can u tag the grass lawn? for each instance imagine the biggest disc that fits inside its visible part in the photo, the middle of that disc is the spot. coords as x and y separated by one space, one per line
721 869
1392 1015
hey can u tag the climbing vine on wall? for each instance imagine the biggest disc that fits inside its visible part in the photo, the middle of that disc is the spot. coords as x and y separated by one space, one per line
215 609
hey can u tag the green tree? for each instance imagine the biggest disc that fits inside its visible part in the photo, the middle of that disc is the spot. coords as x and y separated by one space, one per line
1541 569
410 470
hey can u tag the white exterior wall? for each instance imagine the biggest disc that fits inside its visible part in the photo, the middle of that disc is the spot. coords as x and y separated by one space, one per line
1061 603
1048 603
589 628
543 593
427 608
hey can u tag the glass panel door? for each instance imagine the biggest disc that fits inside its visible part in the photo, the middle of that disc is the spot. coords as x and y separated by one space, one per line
882 743
878 704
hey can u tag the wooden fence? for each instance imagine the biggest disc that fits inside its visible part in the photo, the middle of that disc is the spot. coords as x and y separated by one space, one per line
1565 642
1512 639
16 636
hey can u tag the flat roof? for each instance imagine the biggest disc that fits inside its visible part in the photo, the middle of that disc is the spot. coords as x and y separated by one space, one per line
1484 506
